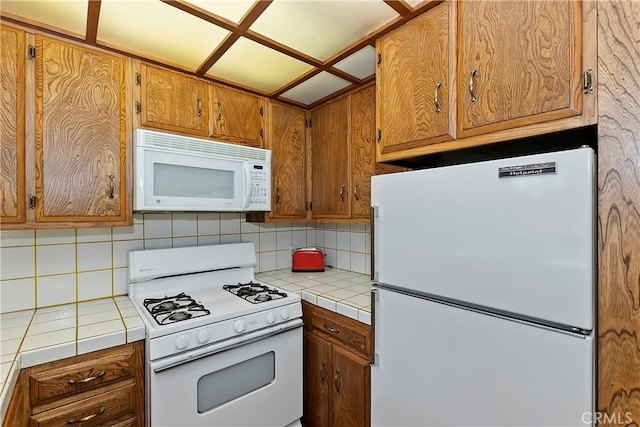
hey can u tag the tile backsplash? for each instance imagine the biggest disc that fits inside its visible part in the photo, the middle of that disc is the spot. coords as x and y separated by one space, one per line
40 268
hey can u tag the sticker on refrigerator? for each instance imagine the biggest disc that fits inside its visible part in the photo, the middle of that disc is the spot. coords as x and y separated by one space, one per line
524 170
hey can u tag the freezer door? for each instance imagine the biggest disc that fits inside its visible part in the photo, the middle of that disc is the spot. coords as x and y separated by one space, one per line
444 366
523 244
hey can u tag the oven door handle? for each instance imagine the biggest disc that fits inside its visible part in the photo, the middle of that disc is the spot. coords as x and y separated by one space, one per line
199 353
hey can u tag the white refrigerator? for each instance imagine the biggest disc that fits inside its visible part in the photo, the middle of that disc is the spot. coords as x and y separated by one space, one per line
483 308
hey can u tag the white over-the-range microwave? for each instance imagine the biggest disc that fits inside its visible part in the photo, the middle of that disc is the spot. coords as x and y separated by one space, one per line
179 173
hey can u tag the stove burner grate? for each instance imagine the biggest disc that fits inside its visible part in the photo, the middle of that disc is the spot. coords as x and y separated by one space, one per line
255 293
171 309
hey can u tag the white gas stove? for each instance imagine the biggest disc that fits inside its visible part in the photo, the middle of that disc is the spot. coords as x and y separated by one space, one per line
203 304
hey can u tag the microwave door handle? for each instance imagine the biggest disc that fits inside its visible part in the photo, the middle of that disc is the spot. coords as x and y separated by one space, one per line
247 185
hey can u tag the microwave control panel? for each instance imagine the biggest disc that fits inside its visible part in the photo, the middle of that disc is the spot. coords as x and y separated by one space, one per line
259 186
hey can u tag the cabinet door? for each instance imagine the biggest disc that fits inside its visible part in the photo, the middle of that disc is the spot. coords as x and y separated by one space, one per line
521 60
413 83
173 101
350 392
80 134
363 156
288 143
237 116
12 125
330 160
316 381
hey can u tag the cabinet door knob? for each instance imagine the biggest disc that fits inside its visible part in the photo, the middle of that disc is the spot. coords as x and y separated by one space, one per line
473 96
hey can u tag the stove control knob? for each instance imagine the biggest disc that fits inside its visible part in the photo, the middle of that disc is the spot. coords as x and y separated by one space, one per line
182 341
270 317
203 336
240 326
284 313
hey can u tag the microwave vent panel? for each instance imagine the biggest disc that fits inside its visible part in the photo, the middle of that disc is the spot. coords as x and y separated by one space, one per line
170 142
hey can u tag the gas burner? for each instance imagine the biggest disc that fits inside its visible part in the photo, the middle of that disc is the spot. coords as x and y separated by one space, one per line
171 309
255 293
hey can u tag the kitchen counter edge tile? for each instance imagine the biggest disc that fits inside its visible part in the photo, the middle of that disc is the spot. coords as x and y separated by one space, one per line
341 291
33 337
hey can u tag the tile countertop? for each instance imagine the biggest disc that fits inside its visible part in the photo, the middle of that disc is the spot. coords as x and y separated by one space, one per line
341 291
32 337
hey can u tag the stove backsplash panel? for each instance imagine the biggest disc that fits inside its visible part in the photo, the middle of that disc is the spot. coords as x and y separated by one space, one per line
41 268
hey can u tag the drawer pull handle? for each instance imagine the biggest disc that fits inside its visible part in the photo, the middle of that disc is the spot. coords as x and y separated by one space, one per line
436 98
278 195
323 373
330 329
355 192
89 379
342 193
88 417
338 381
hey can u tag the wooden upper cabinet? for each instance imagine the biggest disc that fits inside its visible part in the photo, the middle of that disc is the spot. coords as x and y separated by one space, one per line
237 116
414 78
173 101
330 160
12 126
520 63
288 143
363 156
80 134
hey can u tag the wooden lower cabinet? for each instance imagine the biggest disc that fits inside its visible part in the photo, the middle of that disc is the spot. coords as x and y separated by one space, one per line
337 385
102 388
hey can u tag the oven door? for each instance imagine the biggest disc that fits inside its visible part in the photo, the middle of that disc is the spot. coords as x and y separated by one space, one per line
252 381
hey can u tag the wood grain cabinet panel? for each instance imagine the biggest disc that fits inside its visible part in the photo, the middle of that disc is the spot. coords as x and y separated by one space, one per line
495 71
363 154
237 116
330 166
316 381
12 125
527 62
337 372
288 143
173 101
413 81
102 388
80 134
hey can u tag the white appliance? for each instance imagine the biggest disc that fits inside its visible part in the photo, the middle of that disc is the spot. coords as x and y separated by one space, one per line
483 308
221 348
179 173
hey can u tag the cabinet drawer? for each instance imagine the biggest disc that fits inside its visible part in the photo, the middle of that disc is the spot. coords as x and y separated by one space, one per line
338 329
113 405
66 377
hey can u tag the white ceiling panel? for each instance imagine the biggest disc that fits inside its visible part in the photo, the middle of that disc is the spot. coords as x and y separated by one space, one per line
414 3
156 30
361 64
253 65
70 16
233 10
322 28
315 88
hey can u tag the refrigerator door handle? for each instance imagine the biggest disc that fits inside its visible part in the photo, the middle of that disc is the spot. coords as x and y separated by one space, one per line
374 215
373 358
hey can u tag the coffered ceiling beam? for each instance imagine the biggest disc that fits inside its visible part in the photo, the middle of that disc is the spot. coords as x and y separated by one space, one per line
93 16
